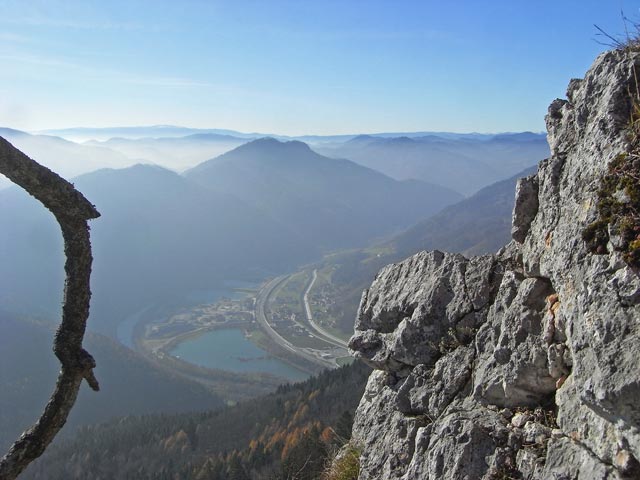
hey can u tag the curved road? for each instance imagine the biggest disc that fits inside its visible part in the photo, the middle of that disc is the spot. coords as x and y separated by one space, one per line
324 335
261 302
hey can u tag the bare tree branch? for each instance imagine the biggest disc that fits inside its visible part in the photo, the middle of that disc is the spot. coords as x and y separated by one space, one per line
72 211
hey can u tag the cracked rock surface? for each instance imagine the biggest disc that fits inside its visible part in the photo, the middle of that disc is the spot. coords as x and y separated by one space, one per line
523 364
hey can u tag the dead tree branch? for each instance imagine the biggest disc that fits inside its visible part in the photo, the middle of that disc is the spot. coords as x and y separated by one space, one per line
72 211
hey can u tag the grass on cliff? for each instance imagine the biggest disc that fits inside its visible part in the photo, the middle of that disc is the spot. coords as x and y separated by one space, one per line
618 204
629 41
618 223
346 466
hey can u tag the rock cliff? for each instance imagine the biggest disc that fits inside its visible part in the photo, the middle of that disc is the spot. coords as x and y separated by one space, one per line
522 364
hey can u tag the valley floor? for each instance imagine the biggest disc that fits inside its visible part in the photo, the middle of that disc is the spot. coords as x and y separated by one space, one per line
278 317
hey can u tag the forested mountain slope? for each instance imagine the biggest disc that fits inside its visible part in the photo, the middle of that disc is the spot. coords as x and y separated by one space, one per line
477 225
288 433
129 383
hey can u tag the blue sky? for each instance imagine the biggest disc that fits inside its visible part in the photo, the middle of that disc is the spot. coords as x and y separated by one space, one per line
296 67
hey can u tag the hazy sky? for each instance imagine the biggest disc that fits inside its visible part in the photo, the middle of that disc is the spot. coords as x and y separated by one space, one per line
298 66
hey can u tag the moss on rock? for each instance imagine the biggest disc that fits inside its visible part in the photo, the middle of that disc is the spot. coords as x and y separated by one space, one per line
618 224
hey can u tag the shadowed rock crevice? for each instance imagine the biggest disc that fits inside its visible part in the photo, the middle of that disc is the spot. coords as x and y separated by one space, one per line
520 364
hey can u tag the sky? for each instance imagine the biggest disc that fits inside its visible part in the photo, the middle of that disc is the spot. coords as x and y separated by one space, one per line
296 67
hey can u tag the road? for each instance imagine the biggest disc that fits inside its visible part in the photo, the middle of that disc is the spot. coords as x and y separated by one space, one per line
322 333
261 316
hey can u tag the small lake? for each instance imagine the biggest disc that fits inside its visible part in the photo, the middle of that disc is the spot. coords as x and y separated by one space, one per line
230 290
228 349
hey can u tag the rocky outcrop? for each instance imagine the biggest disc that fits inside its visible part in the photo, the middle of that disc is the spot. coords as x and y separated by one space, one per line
522 364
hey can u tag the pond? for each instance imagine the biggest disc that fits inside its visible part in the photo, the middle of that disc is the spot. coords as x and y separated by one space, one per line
228 349
231 289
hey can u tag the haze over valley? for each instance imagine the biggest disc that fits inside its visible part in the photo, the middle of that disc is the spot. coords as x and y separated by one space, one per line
239 197
179 254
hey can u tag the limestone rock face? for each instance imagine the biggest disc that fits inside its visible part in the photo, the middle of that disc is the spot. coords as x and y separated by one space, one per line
522 364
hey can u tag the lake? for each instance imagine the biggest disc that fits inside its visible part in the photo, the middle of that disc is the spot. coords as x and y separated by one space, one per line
228 349
191 299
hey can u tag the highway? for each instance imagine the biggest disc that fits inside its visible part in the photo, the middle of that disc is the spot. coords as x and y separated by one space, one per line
261 317
321 332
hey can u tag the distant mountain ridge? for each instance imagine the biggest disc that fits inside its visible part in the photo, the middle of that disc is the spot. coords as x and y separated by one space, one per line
157 131
461 162
261 210
464 164
177 153
137 132
299 187
66 158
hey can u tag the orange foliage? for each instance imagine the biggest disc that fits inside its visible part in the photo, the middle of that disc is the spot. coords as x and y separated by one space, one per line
301 413
275 438
292 440
177 441
327 435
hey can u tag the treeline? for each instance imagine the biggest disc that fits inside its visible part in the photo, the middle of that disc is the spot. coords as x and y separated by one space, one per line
288 434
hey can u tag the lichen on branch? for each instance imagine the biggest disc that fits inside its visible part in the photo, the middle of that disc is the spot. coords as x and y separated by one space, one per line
72 211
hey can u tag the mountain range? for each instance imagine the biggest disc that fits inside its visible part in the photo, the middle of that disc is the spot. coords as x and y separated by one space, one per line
296 428
165 131
462 164
66 158
262 209
176 153
329 203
